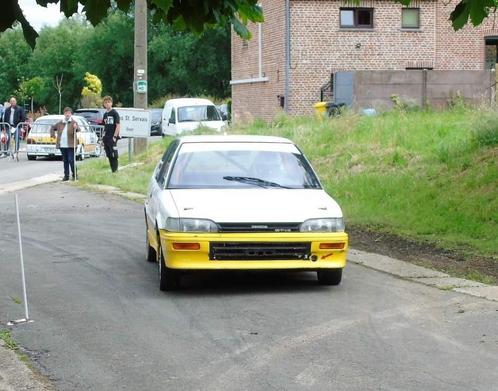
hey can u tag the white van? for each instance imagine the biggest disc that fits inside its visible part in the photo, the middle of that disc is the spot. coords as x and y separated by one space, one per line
187 114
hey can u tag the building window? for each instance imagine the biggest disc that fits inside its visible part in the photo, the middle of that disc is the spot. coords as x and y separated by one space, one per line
410 18
356 17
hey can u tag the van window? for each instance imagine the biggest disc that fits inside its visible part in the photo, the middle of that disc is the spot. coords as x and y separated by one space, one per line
172 117
198 113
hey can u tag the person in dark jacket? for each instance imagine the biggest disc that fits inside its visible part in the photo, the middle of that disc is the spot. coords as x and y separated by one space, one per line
13 115
65 131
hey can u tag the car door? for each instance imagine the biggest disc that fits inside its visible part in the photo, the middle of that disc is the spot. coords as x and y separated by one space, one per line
165 118
157 183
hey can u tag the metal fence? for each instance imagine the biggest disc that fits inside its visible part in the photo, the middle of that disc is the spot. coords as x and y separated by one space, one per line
10 138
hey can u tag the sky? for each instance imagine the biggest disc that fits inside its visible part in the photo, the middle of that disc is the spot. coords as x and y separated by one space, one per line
39 16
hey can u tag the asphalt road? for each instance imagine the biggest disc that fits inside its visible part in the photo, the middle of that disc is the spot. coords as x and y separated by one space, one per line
14 171
101 323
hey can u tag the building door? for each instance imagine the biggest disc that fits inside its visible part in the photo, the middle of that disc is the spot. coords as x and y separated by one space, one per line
491 52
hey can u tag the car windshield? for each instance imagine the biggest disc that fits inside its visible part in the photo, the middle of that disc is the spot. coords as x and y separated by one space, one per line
241 165
43 126
198 113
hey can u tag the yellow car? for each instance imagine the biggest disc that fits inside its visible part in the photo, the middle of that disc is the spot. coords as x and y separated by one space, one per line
241 203
39 142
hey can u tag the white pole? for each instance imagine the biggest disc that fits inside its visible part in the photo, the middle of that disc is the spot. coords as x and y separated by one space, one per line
22 260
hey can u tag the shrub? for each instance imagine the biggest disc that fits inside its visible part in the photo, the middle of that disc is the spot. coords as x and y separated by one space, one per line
485 133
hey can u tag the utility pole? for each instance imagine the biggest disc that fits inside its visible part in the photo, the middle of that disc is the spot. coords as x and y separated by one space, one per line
140 66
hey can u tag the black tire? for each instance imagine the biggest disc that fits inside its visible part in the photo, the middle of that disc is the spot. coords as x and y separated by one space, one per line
168 278
329 276
31 157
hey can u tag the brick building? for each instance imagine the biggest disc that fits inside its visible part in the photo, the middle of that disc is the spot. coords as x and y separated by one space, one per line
293 54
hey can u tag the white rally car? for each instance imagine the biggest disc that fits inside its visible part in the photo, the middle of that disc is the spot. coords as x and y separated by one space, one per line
40 143
241 203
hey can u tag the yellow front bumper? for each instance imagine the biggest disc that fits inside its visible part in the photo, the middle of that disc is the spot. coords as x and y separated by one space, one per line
200 259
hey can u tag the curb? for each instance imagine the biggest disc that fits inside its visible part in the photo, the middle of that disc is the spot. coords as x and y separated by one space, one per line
423 275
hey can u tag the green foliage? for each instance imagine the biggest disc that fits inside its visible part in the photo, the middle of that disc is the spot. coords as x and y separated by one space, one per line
6 337
180 64
185 64
485 133
193 16
32 88
91 94
15 56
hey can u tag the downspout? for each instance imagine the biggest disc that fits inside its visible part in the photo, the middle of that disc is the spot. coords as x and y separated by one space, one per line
260 52
287 55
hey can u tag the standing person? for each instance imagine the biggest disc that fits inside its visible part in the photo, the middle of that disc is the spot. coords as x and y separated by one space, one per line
13 115
66 140
111 133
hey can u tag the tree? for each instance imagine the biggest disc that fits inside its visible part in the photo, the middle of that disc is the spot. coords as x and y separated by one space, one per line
187 64
32 89
15 55
91 94
193 16
60 53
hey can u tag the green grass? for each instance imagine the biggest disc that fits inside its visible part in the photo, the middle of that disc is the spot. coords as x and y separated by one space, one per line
428 176
6 337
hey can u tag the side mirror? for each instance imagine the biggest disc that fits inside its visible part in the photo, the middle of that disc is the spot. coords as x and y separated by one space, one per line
171 121
224 117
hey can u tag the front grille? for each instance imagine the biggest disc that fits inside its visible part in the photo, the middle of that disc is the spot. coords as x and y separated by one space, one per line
258 227
259 251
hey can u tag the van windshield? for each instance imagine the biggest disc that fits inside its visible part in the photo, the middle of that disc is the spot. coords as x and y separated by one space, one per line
198 113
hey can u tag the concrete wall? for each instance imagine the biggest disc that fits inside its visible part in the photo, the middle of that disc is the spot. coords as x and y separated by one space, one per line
436 88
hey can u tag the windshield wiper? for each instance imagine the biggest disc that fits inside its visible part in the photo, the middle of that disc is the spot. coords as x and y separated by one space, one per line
253 181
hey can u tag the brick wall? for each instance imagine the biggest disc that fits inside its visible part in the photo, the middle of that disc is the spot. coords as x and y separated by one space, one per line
260 100
319 47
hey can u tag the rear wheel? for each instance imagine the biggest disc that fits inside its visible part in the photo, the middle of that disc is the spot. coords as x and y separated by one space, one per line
31 157
329 276
168 278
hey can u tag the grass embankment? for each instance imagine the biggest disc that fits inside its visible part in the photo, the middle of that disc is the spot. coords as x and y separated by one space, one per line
428 176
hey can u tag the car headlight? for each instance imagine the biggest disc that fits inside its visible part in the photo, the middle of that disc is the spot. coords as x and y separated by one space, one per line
190 225
335 224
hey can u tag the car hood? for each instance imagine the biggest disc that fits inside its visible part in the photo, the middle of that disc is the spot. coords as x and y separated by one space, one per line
254 205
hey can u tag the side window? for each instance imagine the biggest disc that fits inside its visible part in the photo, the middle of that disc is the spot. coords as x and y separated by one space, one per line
165 163
172 117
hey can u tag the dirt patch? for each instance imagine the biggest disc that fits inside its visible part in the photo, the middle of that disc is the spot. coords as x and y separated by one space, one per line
484 269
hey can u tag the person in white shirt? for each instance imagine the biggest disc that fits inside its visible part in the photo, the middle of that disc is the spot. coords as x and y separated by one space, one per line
65 131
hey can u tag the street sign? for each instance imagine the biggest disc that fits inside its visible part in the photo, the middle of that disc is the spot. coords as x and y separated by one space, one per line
141 86
134 122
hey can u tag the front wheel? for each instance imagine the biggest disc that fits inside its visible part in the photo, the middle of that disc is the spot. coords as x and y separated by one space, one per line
31 157
150 253
168 278
329 276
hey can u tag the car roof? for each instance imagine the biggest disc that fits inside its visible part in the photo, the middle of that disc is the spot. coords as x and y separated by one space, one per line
57 117
189 102
234 139
93 109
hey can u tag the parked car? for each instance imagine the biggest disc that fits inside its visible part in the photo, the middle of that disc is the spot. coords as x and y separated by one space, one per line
155 121
241 203
95 116
187 114
40 143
